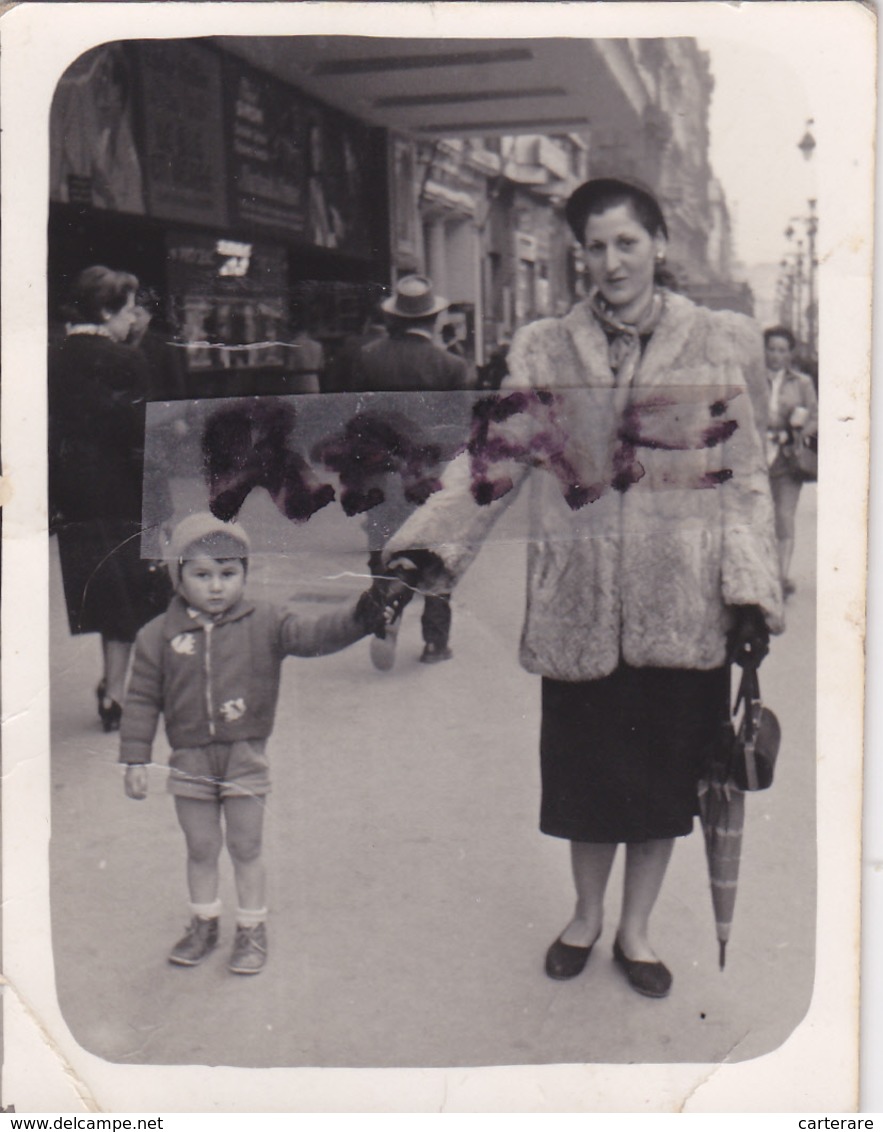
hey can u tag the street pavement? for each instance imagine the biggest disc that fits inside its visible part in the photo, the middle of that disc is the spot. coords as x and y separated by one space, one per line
412 896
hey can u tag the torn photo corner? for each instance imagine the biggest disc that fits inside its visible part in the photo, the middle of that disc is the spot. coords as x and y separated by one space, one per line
295 308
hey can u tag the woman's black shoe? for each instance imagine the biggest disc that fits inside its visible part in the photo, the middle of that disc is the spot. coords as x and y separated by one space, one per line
110 712
651 979
564 961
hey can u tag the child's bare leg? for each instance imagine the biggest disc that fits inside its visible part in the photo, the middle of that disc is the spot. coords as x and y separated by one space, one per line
244 817
201 822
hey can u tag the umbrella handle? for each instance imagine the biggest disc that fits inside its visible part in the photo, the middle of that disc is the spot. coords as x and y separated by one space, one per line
749 688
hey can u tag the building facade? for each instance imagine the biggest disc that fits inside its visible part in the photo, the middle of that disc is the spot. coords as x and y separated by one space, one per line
223 175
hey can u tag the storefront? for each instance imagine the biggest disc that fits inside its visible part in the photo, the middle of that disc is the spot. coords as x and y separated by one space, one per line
245 206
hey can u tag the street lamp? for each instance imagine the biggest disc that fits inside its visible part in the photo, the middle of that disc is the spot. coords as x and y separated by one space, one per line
812 227
798 321
807 143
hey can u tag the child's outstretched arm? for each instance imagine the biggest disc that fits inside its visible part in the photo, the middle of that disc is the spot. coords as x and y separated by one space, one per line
335 630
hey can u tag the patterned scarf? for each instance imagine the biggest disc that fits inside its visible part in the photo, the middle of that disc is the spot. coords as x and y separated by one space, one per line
624 338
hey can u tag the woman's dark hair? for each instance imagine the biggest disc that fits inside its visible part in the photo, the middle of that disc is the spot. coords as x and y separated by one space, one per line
779 332
99 289
597 196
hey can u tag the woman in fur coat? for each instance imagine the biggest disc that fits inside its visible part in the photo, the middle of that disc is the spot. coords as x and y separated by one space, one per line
651 557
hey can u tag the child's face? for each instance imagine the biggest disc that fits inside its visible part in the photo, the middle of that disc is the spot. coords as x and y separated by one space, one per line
212 585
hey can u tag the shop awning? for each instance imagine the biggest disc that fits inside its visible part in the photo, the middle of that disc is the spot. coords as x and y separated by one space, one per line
456 87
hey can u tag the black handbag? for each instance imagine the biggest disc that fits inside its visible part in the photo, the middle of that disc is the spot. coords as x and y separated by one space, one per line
755 737
806 455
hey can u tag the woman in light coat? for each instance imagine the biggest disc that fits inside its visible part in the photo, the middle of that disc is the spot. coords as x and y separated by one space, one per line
651 557
793 414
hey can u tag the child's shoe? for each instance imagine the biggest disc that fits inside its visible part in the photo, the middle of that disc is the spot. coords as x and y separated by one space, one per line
249 950
200 939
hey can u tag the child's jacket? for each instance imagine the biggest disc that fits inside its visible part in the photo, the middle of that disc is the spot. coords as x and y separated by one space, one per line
219 683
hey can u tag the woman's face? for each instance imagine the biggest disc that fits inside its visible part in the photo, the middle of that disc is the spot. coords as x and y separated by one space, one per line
778 353
621 256
119 323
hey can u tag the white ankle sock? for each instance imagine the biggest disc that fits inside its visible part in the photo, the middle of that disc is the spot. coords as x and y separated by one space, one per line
206 911
250 917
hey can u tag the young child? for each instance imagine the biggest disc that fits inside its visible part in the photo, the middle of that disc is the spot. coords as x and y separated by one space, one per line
211 666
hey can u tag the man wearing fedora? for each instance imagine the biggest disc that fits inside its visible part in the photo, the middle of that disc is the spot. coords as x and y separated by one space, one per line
408 360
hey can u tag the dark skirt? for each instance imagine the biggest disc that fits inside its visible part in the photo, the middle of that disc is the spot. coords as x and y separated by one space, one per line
621 756
108 587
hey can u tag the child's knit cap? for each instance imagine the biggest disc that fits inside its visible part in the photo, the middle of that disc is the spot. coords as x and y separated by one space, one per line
203 534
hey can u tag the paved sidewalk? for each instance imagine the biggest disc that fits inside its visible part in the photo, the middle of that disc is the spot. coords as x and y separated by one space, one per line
412 895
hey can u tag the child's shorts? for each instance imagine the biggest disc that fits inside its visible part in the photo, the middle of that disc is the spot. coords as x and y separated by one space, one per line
220 770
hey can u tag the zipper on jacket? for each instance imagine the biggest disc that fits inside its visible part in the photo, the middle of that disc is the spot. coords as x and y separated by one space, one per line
208 679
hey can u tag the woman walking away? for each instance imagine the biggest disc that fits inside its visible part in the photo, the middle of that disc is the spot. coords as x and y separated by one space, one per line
793 413
98 390
651 562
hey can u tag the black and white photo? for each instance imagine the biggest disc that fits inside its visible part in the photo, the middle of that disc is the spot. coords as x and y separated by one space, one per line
500 372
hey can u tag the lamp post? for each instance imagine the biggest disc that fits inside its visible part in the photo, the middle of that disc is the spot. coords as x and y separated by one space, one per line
807 145
811 229
798 320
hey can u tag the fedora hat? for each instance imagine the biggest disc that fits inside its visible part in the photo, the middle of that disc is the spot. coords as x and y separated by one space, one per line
583 199
414 298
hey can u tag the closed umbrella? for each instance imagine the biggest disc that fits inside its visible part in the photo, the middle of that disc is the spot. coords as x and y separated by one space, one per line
722 814
745 760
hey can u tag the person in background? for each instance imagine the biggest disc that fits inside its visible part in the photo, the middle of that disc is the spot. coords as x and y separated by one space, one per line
98 389
210 665
168 380
170 423
407 360
456 348
793 412
340 373
651 564
307 361
497 368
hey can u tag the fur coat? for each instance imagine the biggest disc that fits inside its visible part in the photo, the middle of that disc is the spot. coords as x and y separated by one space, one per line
651 510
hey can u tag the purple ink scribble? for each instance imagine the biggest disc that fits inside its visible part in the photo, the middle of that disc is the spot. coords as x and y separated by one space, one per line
544 449
373 445
639 415
249 444
715 479
717 433
627 469
245 446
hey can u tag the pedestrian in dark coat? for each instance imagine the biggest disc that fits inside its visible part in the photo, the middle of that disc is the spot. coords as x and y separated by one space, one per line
340 373
408 360
98 391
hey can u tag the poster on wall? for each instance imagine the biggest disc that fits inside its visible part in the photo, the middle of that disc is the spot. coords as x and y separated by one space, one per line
93 157
403 219
267 132
337 155
183 139
228 301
